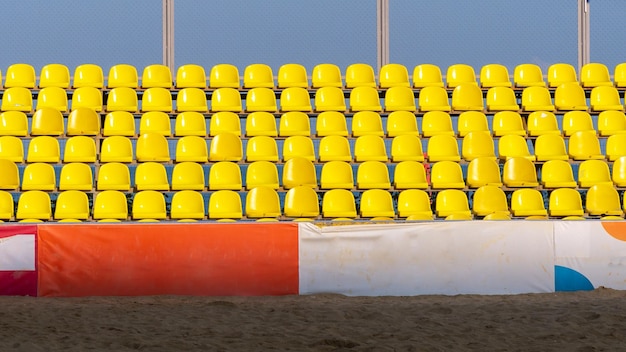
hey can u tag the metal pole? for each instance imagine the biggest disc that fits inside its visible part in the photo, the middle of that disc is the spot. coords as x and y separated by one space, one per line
583 33
382 32
168 34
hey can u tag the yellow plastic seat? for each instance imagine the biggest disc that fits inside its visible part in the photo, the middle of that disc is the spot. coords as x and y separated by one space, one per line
603 199
442 147
258 76
151 176
301 202
370 147
110 205
225 147
615 147
427 75
226 99
44 149
331 123
519 172
550 147
116 149
261 148
76 176
401 123
446 175
511 145
191 76
47 122
334 147
329 99
452 202
470 121
528 75
574 121
119 123
122 99
433 98
611 122
156 99
501 99
337 174
294 123
399 98
155 122
406 147
393 75
188 176
298 146
467 97
190 123
565 202
595 74
458 74
12 149
494 75
20 75
262 173
376 203
224 76
34 205
326 75
54 75
618 172
570 96
295 99
477 144
372 174
191 99
483 172
557 174
262 202
528 202
261 123
148 205
83 122
113 176
605 98
299 171
507 123
191 148
292 75
414 203
367 123
80 149
225 204
224 175
17 99
7 206
87 97
123 75
261 99
594 172
619 75
437 122
187 204
542 122
13 123
152 146
156 76
72 205
224 122
88 75
410 175
489 200
360 75
560 73
338 203
39 176
364 98
9 177
584 145
537 98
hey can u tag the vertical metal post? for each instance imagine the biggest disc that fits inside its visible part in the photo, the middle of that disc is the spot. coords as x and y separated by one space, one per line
583 33
168 34
382 32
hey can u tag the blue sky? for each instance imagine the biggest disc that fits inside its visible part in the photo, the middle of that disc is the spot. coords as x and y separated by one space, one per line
275 32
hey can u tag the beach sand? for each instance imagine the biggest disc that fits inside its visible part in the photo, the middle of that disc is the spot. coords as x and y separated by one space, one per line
572 321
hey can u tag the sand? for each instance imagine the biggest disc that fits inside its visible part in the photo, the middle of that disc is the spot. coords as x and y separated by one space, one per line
575 321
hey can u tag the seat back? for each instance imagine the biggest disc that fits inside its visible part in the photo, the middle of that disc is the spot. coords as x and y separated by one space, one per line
326 75
188 176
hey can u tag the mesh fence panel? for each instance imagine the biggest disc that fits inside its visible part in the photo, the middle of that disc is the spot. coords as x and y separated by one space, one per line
607 33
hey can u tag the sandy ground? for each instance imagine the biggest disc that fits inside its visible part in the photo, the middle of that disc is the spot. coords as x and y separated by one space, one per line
580 321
